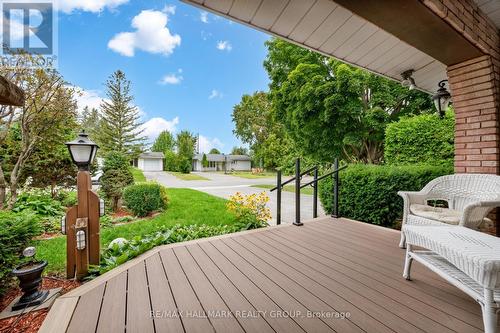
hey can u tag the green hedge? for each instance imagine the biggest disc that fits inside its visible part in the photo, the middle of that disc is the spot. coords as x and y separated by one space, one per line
420 139
144 198
368 193
16 231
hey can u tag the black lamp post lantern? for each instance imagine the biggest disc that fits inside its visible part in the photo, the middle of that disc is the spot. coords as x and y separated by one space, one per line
82 151
442 98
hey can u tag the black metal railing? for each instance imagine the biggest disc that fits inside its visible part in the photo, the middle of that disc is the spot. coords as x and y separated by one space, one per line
314 183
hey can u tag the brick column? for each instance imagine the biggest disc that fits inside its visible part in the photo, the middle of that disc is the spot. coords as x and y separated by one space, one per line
475 99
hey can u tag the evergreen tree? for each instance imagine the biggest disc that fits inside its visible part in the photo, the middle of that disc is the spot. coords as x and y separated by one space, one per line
90 122
120 119
204 161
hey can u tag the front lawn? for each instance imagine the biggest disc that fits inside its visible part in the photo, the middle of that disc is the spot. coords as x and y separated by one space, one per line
287 188
188 176
138 175
250 175
185 207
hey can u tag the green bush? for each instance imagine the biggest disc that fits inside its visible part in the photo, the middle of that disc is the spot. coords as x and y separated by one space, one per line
144 198
116 255
16 232
420 139
368 193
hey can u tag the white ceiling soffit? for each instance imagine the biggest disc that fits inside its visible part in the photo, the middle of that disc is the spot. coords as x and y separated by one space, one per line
325 27
491 8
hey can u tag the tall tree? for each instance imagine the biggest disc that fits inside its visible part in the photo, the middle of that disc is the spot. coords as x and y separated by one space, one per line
186 143
239 151
204 161
46 106
214 151
120 127
331 109
164 142
90 121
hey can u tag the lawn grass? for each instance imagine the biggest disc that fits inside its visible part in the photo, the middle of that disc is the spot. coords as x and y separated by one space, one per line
287 188
138 175
250 175
188 176
185 207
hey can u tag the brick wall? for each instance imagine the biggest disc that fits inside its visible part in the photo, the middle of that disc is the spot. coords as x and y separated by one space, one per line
474 85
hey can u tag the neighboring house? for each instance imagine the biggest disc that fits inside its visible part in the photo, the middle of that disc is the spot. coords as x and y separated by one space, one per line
150 161
217 162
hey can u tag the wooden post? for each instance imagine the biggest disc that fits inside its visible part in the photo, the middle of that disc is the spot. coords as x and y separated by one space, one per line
84 216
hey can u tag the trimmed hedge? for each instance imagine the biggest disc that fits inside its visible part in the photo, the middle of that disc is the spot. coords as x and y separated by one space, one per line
16 232
144 198
420 139
368 193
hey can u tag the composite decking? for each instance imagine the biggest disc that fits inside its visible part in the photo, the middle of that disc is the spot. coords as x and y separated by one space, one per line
329 275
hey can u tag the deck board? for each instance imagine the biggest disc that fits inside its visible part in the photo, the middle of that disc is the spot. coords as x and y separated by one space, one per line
269 280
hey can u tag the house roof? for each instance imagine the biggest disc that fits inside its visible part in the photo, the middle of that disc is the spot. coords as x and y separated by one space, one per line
151 155
222 157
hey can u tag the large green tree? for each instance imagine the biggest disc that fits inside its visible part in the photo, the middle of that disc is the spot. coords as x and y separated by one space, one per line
186 143
330 109
239 151
120 127
214 151
90 121
164 142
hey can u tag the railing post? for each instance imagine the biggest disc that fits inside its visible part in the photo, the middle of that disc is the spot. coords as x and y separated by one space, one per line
278 198
335 210
297 193
315 195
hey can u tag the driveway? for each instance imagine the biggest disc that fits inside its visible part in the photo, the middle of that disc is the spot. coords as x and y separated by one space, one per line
224 186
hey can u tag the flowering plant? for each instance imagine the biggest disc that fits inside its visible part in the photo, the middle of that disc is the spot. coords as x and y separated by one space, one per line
250 210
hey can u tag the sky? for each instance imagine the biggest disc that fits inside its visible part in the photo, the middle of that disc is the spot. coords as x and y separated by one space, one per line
188 68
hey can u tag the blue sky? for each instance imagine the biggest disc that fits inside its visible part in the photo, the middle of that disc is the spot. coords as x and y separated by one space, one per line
186 74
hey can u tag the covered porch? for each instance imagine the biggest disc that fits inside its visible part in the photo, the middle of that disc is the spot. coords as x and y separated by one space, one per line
328 275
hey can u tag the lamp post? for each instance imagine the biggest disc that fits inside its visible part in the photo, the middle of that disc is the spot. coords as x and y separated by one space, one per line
82 220
442 98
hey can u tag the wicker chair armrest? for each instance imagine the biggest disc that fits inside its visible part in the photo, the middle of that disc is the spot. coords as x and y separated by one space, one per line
476 211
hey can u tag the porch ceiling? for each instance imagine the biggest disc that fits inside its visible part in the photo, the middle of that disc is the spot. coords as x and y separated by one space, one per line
333 30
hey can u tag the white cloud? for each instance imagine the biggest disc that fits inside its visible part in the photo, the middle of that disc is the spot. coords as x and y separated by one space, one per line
208 143
154 126
152 35
215 93
169 9
90 98
94 6
204 17
172 79
224 45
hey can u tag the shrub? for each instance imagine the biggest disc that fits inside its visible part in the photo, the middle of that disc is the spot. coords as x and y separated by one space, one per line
250 210
16 231
116 176
118 254
420 139
144 198
369 192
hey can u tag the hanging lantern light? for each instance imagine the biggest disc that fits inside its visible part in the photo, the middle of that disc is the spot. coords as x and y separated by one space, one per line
80 240
63 225
442 98
101 207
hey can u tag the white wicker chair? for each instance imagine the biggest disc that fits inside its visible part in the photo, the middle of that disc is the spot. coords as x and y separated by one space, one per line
473 195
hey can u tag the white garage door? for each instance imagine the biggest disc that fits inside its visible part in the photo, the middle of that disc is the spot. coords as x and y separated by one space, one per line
152 165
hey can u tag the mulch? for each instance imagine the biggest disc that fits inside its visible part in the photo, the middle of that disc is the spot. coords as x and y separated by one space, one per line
31 322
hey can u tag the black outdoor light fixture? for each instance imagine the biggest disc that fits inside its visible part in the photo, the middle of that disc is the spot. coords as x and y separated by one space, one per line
82 151
442 98
408 80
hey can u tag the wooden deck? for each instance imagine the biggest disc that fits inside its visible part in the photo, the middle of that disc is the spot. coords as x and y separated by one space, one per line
328 275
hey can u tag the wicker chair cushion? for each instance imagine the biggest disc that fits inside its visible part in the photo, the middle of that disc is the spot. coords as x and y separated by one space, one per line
444 215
